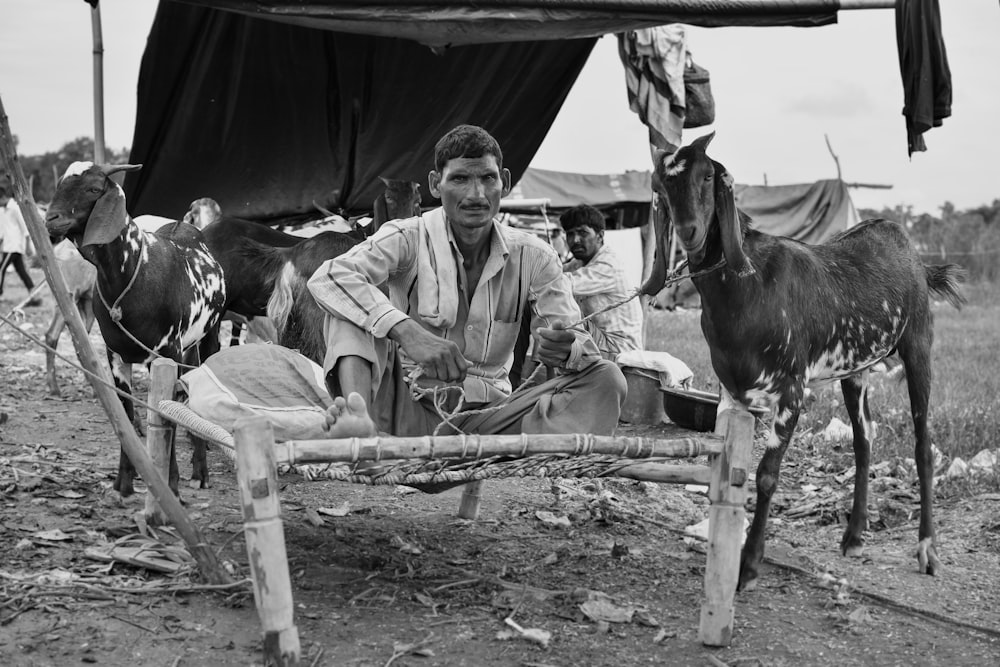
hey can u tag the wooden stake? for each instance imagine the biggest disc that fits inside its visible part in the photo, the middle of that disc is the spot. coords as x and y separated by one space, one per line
256 471
160 432
727 493
468 508
203 554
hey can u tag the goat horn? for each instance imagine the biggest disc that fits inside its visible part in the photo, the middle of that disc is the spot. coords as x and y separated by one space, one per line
108 169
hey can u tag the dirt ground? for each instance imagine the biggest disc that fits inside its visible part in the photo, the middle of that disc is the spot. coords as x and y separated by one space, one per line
385 577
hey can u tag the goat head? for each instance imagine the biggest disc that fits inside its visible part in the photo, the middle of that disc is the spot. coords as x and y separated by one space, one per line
88 207
695 193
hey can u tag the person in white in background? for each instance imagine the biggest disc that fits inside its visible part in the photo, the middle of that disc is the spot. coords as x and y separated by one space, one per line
14 242
598 281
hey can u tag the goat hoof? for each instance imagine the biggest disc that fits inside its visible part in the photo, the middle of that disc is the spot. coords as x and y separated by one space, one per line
748 579
857 551
927 557
124 487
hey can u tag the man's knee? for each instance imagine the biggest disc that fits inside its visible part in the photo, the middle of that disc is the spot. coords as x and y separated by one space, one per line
608 379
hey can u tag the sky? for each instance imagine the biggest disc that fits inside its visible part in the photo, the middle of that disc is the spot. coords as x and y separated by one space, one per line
779 93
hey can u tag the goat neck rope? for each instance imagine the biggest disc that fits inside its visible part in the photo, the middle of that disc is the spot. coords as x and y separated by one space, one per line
676 277
115 309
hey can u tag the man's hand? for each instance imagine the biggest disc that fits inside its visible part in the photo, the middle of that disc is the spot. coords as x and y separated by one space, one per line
440 358
555 345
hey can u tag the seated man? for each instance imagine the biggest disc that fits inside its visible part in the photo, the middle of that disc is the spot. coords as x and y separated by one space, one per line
599 281
458 283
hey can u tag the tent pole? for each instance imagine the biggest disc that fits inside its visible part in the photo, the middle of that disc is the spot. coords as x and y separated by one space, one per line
95 23
867 4
203 554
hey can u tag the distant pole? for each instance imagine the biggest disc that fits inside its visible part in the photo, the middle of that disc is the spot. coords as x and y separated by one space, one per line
836 159
95 23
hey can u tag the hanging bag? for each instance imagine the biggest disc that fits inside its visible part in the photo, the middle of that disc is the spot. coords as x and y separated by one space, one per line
698 100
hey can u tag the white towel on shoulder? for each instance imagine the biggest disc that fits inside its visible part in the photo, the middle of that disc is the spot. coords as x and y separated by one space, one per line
437 274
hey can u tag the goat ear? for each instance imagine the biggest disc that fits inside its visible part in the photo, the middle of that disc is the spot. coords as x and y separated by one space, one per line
108 218
703 141
729 223
380 213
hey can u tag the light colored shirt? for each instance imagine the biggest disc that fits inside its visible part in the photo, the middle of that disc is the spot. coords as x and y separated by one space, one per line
519 269
598 284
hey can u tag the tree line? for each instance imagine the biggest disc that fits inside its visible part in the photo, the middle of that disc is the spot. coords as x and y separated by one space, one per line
970 238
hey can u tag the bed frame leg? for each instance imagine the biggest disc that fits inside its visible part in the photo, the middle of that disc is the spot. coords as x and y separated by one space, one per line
160 433
727 493
257 474
471 495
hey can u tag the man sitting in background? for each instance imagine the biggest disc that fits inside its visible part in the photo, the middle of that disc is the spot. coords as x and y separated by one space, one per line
599 281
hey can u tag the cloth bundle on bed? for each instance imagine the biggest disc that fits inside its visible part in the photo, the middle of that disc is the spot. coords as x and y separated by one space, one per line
261 379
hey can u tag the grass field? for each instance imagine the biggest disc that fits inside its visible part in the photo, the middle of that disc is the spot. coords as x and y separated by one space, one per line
965 394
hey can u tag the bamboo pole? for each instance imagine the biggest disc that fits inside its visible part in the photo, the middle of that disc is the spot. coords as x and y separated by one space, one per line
98 39
160 432
473 446
472 494
257 476
665 473
130 442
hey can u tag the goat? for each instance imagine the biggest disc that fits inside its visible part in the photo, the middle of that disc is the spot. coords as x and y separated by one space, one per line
297 317
781 316
201 213
247 287
400 199
80 277
168 290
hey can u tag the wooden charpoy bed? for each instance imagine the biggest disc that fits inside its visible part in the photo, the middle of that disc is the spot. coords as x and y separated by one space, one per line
459 458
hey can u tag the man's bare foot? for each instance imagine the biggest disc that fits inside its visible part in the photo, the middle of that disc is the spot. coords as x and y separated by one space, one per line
349 418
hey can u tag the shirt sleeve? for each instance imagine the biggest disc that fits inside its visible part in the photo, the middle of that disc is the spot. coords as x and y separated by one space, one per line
552 293
594 278
347 286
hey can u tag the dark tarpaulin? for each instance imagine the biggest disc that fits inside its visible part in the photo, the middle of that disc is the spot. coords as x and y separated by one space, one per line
807 212
271 105
565 189
267 117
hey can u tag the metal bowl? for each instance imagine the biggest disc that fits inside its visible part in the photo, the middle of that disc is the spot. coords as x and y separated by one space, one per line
694 409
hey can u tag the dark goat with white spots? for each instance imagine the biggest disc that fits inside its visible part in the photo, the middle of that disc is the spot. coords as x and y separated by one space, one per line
782 316
164 290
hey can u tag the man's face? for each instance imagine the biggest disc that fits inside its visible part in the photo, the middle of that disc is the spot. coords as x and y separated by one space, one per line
584 242
470 190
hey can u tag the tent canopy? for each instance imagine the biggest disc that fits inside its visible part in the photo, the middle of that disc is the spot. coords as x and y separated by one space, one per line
274 106
808 212
442 23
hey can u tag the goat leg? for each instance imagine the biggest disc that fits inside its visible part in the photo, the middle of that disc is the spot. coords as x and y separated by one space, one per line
121 372
767 483
199 460
856 400
916 355
52 341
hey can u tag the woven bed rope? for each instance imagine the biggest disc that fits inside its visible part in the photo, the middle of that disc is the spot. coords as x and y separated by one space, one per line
581 462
